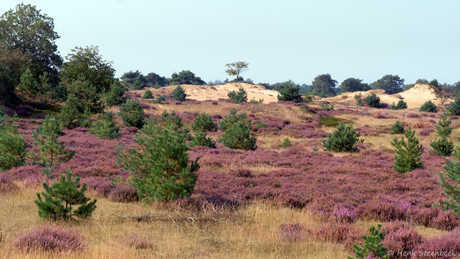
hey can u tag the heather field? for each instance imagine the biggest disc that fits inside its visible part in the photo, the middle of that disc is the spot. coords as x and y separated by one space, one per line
273 202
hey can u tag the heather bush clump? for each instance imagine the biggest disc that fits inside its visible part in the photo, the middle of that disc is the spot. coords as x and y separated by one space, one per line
105 129
147 94
238 97
401 105
57 200
342 139
160 170
291 231
132 114
372 100
408 155
397 128
12 144
428 106
179 94
138 242
50 239
204 121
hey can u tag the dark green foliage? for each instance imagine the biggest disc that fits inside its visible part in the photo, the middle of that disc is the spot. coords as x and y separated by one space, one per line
28 83
12 145
46 93
327 107
434 82
105 129
174 122
353 85
359 101
323 85
89 98
204 121
231 119
392 84
201 139
50 149
286 143
290 92
185 77
443 146
179 94
61 92
116 94
261 124
397 128
59 198
160 99
147 94
452 190
155 81
159 167
69 113
372 247
372 100
358 96
342 139
254 101
428 106
135 80
132 114
401 105
238 97
408 155
454 107
237 136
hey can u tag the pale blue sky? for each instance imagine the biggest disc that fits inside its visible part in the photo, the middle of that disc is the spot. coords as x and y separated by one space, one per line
281 40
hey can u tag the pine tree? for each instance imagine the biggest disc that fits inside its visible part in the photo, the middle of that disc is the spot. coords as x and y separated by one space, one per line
27 82
428 106
238 136
105 129
201 139
12 144
401 105
159 99
290 92
408 155
132 114
372 247
204 121
116 94
454 107
231 119
147 94
59 198
443 146
238 97
46 93
159 167
69 113
179 94
342 139
452 190
397 128
50 149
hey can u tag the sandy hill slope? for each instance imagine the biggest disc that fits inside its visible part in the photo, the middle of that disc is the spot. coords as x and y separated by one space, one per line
414 97
214 92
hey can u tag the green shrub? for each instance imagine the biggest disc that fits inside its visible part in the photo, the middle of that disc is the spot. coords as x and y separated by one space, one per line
50 149
201 139
452 190
326 107
237 136
408 155
59 198
428 106
147 94
443 128
358 96
443 146
372 247
27 83
204 121
308 97
454 107
290 92
105 129
160 99
372 100
161 170
116 94
287 143
253 100
401 105
231 119
179 94
68 117
132 114
156 85
359 102
238 97
261 124
342 139
397 128
12 144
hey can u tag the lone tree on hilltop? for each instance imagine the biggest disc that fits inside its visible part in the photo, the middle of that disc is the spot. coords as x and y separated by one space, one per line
236 68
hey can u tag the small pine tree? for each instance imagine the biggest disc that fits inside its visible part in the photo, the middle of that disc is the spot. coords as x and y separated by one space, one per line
201 139
204 121
428 106
452 190
179 94
401 105
397 128
116 94
359 102
160 171
105 129
290 92
327 107
132 114
50 149
238 97
261 124
59 198
287 143
237 136
156 85
443 146
12 144
46 93
408 155
231 119
147 94
342 139
372 100
68 117
454 107
372 247
160 99
28 83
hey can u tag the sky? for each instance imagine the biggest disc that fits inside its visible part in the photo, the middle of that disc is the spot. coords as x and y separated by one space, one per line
281 40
